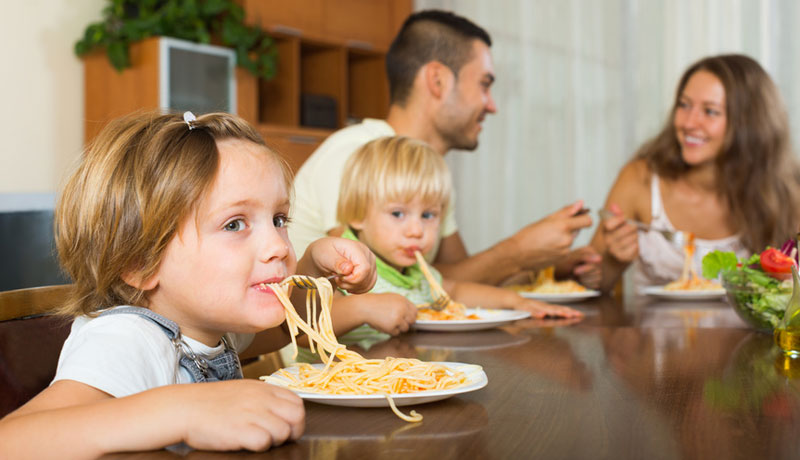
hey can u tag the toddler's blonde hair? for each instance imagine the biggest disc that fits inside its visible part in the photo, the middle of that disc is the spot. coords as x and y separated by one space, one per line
387 169
133 187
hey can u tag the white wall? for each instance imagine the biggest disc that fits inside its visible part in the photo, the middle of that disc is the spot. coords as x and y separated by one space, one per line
581 83
41 89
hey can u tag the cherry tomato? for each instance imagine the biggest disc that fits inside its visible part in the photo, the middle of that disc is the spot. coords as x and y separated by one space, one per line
774 261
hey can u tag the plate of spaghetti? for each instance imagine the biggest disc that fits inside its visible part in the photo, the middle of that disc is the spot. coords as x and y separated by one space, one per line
475 380
689 286
346 377
545 287
456 316
475 319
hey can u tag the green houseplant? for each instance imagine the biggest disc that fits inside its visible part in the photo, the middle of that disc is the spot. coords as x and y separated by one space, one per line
127 21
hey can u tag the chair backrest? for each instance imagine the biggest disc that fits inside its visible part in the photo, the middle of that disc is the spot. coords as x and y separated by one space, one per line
23 303
30 342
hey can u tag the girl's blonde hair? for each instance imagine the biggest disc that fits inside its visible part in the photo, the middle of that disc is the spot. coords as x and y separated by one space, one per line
392 169
133 187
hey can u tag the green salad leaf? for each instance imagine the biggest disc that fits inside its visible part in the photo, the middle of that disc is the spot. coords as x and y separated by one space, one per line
717 261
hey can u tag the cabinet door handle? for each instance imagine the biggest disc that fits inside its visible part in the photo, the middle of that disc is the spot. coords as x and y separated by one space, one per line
303 139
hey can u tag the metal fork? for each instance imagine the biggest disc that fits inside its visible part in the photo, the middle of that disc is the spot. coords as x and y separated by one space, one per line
676 237
304 281
440 303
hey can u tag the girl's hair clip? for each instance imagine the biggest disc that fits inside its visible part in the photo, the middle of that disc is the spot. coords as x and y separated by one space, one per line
189 118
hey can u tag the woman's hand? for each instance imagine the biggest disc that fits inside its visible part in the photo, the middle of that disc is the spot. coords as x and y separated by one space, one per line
620 237
351 261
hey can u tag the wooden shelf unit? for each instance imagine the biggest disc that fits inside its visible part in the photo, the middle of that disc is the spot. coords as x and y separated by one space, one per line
334 48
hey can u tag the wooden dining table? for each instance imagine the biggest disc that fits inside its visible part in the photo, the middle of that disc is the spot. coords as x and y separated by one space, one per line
636 378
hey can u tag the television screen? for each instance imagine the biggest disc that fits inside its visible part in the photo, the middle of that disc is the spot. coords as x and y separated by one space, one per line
197 77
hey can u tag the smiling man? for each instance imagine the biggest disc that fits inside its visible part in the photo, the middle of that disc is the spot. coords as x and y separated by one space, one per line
440 78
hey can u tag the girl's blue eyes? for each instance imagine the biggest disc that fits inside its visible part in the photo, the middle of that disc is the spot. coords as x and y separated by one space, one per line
237 225
234 225
280 221
425 215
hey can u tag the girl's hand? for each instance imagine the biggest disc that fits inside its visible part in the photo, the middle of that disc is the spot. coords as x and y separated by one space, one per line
241 414
541 310
351 261
621 238
389 313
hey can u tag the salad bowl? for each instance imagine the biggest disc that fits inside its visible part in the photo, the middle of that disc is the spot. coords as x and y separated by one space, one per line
759 301
757 288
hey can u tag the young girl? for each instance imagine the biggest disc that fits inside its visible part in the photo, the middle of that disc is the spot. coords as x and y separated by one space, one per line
169 229
392 197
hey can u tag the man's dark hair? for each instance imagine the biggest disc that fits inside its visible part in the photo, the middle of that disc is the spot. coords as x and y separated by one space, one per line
430 35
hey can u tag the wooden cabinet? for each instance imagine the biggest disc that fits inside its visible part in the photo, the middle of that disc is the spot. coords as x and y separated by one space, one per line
330 48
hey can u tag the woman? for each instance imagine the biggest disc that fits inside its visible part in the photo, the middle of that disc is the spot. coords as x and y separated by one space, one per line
721 168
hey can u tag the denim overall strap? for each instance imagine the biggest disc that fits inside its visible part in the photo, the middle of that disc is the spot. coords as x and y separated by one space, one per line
224 366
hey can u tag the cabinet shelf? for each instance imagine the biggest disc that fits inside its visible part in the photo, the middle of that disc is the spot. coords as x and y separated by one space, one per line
330 48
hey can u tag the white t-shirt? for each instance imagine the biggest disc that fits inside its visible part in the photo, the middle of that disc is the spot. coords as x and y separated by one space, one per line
316 185
124 354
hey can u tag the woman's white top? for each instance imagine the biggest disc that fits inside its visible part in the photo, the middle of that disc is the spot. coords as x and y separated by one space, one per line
661 262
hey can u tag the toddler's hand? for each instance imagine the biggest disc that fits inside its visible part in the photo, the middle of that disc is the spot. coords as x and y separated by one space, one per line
540 310
351 261
390 313
240 414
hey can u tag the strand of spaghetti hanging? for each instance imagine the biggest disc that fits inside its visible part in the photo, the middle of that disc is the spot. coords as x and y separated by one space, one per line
353 374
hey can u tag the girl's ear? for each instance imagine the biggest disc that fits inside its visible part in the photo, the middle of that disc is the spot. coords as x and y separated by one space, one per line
357 225
134 279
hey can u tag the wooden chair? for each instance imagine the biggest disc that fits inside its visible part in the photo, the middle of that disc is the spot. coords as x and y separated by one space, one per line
23 303
30 342
263 365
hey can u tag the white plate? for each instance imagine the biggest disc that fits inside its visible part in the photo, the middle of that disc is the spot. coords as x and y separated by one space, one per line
476 379
488 318
567 297
659 291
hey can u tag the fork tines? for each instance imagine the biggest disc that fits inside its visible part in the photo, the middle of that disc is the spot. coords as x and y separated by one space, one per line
440 303
302 282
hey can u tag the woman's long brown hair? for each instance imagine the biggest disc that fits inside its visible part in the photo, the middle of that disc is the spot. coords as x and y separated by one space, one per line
758 177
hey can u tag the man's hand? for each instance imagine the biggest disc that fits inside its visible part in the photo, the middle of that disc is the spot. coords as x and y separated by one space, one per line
583 264
544 242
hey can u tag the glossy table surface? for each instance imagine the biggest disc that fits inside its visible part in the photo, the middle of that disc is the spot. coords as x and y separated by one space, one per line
641 379
647 379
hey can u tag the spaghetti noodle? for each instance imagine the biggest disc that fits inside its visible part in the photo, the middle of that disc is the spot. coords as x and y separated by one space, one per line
352 374
689 281
545 283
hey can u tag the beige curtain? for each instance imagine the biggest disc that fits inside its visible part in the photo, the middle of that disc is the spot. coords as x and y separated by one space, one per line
581 83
